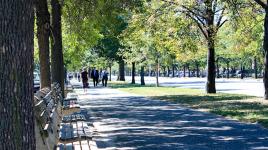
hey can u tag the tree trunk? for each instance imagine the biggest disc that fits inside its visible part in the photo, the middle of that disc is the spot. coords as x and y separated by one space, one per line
173 70
150 70
218 69
197 69
57 65
121 76
65 75
110 75
16 75
157 72
265 47
133 73
168 71
255 68
165 73
210 86
242 72
189 73
184 71
228 70
211 34
142 75
43 31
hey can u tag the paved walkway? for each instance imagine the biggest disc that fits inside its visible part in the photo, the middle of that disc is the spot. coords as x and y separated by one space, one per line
125 121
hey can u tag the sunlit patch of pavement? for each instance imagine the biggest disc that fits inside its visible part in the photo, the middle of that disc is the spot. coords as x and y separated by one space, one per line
126 121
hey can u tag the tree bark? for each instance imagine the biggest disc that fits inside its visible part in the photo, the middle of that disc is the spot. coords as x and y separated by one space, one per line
189 73
142 75
242 71
210 86
173 70
265 47
165 73
121 76
133 73
110 68
43 31
197 69
16 75
168 71
211 33
157 72
57 65
255 68
184 71
228 70
150 70
218 69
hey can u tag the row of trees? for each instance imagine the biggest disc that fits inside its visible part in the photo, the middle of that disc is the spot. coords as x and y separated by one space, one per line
49 33
80 33
17 66
163 32
144 32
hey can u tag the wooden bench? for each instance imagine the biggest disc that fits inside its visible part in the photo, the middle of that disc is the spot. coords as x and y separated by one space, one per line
70 104
78 145
58 122
48 114
68 89
75 133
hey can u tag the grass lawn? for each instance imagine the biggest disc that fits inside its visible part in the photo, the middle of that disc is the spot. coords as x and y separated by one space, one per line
241 107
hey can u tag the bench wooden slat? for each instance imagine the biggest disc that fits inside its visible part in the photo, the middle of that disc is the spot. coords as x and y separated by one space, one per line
77 145
84 145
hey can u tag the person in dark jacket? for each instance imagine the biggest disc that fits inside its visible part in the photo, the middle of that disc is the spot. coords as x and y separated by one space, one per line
84 75
95 76
104 75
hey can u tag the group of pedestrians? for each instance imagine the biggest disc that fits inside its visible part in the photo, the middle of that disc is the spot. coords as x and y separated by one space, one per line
96 77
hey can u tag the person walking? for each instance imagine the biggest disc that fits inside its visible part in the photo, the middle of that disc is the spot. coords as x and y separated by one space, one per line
84 75
104 78
95 76
89 72
101 75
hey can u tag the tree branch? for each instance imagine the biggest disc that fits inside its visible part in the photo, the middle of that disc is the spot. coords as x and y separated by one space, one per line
215 5
199 25
194 13
263 5
199 17
220 23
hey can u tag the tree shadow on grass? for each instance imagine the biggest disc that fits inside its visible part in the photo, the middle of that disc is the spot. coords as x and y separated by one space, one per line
197 99
227 105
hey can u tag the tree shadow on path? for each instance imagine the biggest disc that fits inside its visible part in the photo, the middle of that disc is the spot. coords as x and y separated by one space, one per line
131 122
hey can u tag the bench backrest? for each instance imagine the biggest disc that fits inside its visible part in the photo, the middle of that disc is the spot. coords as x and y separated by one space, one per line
48 112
